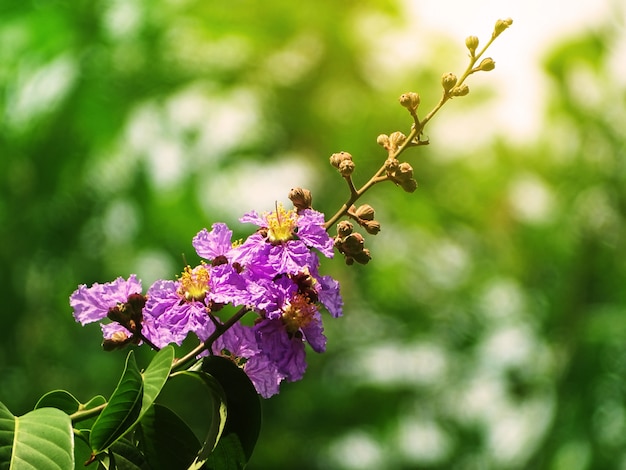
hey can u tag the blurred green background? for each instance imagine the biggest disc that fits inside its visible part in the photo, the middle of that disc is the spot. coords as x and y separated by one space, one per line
489 330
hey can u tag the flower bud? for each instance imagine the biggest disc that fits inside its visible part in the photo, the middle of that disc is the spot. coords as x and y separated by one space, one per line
500 26
404 171
365 212
344 228
487 64
472 43
301 198
353 244
346 167
391 165
383 140
409 185
448 80
337 158
410 101
396 139
460 90
363 257
372 227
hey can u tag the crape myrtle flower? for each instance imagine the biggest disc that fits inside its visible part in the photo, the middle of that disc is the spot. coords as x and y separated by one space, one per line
284 241
185 305
291 319
121 301
239 344
92 304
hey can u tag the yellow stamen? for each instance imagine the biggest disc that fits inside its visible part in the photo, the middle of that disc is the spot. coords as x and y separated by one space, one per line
194 283
281 224
298 314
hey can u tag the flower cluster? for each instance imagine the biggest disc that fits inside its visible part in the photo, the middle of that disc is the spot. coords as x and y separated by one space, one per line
274 274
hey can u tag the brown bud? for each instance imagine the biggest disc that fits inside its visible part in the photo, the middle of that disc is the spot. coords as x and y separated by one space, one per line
346 167
409 185
353 243
396 139
383 140
404 171
365 212
372 227
363 257
344 228
119 314
410 101
391 165
337 158
448 81
301 198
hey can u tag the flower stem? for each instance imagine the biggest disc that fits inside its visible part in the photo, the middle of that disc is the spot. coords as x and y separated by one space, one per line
416 130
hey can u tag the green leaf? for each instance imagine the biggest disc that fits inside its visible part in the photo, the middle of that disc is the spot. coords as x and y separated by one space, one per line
166 440
244 410
155 376
59 399
66 402
126 456
122 411
42 439
228 455
200 401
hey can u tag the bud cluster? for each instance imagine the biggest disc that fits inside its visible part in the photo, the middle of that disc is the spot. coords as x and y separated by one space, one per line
391 142
364 216
401 174
343 162
351 244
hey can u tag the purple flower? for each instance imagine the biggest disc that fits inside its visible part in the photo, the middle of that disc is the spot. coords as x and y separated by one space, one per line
121 297
92 304
183 306
291 319
239 344
284 243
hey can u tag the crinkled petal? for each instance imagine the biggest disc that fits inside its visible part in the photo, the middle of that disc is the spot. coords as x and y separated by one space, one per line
330 296
227 286
217 242
120 289
314 334
92 304
253 218
251 251
170 313
291 257
312 232
264 375
286 352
